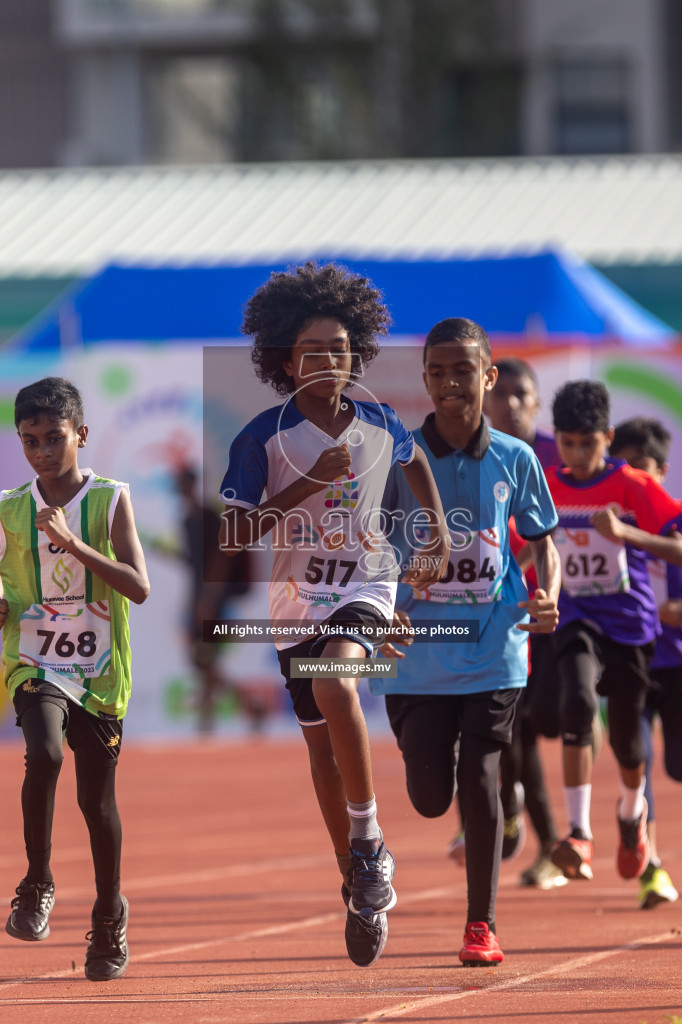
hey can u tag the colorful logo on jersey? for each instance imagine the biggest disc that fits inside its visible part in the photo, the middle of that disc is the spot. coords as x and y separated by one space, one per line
291 589
501 491
334 541
62 576
343 493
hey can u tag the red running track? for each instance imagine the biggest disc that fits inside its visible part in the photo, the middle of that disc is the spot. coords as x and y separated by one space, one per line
236 916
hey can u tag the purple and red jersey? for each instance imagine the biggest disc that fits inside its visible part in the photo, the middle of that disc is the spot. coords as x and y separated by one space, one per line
666 582
606 583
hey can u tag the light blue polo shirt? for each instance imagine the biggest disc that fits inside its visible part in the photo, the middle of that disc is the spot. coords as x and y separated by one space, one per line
482 486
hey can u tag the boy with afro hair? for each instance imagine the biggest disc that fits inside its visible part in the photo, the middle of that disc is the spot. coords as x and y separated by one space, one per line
312 470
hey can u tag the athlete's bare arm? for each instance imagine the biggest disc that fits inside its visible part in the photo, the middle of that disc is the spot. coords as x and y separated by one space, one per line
543 606
669 547
242 527
422 484
127 573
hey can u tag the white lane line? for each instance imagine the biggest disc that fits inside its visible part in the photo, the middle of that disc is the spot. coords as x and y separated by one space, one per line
390 1012
189 947
324 919
111 1000
207 875
577 963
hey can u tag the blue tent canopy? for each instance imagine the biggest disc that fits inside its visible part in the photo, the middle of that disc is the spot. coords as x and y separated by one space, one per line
545 294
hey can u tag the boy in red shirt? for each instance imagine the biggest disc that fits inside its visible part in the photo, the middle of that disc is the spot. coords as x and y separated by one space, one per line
610 516
644 444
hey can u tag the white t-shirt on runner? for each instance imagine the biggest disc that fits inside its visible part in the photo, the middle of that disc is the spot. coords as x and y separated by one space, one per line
330 550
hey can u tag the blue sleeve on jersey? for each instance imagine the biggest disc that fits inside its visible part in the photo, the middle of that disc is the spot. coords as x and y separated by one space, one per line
247 471
382 415
403 441
532 505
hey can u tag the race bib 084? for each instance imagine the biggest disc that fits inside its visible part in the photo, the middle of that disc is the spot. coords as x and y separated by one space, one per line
74 643
474 573
591 565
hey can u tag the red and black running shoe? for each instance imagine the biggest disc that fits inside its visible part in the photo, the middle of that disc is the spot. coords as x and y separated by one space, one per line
573 855
633 849
481 948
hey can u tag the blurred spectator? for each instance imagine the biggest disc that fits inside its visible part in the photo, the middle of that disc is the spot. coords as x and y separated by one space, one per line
215 583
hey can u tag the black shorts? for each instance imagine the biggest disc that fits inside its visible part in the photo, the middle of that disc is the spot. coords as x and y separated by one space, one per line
356 616
622 667
592 665
425 720
665 697
97 739
540 704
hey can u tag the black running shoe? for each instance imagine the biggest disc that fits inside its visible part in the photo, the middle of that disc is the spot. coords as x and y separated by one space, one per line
373 868
107 955
31 911
366 935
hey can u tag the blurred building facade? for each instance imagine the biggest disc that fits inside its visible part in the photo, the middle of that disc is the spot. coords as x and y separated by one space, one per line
125 82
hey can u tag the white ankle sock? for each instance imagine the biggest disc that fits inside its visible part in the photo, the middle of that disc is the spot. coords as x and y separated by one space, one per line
578 800
631 802
363 820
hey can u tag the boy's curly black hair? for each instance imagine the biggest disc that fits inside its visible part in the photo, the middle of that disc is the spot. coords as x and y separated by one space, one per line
284 306
581 407
649 436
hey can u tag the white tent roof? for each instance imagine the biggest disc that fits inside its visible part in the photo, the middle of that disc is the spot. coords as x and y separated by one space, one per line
606 209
